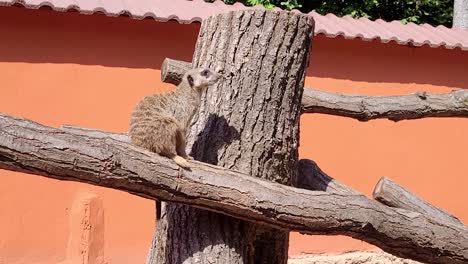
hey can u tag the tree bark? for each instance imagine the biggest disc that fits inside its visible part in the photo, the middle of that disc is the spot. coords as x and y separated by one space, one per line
460 14
249 122
392 194
98 158
357 257
362 107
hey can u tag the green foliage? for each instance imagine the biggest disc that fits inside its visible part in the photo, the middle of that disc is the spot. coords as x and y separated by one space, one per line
434 12
287 5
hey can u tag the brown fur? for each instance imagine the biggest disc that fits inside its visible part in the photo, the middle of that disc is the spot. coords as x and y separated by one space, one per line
159 121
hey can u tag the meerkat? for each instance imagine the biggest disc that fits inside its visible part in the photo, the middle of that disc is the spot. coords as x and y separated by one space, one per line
159 121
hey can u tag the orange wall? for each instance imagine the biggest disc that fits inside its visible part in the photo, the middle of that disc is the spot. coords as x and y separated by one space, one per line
68 68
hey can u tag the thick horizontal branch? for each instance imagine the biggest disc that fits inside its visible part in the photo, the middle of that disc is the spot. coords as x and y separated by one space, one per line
102 159
360 107
392 194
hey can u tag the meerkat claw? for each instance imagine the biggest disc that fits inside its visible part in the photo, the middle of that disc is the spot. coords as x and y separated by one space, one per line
181 162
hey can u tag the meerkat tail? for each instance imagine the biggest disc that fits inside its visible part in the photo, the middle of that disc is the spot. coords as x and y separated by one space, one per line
181 161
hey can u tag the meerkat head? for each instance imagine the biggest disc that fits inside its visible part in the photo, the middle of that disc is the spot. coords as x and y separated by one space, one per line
200 78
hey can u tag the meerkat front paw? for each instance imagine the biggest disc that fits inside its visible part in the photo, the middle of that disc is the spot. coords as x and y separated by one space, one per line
181 161
187 157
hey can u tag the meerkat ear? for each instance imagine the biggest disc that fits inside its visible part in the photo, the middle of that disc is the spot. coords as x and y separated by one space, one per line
190 80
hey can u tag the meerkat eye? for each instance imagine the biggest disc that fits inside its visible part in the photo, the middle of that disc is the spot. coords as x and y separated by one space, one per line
205 73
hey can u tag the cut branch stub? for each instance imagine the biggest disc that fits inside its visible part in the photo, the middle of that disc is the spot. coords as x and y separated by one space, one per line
361 107
173 70
392 194
248 122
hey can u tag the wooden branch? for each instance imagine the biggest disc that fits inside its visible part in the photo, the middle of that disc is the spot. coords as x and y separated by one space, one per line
94 133
100 159
392 194
386 191
360 107
395 107
355 257
173 70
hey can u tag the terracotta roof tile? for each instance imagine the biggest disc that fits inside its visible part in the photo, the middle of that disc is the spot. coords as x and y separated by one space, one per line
186 11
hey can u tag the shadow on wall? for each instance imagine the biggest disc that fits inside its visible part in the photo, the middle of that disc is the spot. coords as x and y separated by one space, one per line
54 37
376 62
48 36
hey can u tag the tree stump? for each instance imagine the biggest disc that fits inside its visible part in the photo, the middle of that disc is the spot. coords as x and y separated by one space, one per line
248 122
